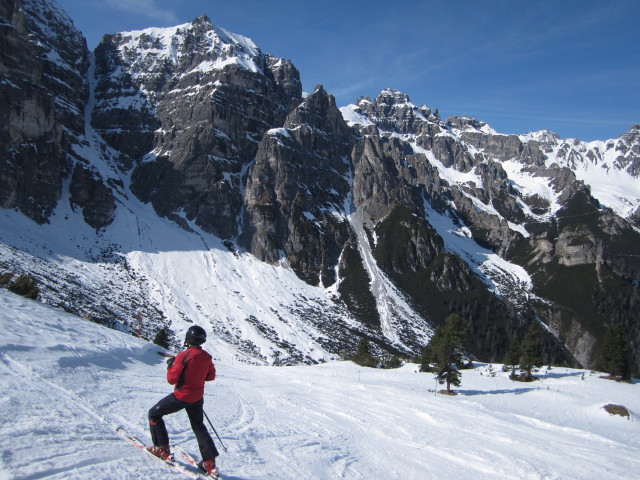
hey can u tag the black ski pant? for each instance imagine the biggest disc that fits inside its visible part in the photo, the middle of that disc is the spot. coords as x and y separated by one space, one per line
170 404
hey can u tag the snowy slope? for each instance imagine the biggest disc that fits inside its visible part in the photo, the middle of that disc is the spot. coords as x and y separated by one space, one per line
256 309
67 383
598 164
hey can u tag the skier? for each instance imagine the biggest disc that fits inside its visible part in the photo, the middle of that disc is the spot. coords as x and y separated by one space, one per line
187 371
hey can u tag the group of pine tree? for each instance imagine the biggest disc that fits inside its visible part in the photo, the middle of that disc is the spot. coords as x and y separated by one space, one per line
444 354
24 285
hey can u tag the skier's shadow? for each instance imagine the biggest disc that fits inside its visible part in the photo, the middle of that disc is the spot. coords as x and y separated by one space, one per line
224 475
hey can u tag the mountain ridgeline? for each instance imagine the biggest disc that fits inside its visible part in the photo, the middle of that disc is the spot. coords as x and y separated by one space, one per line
400 216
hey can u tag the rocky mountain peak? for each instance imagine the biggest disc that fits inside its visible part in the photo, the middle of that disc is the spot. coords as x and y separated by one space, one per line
541 136
633 130
392 111
202 19
392 97
318 111
628 149
197 46
465 123
49 22
389 101
195 101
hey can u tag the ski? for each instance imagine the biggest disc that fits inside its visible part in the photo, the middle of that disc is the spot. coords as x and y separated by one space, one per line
171 463
186 456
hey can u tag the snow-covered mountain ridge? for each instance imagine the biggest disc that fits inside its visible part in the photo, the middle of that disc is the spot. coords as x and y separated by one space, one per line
149 56
610 168
191 181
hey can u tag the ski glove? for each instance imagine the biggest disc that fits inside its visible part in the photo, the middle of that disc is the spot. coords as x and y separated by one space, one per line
170 361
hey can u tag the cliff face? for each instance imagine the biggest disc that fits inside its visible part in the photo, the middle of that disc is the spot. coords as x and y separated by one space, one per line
45 65
402 217
187 109
296 191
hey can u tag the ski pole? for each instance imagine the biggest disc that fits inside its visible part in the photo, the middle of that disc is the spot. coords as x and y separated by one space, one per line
214 430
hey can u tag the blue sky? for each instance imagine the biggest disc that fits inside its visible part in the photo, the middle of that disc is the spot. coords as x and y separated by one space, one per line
570 66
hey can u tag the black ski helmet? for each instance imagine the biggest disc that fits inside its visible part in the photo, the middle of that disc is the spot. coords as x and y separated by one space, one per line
195 336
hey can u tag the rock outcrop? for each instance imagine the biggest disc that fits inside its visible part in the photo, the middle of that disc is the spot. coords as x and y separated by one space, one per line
296 191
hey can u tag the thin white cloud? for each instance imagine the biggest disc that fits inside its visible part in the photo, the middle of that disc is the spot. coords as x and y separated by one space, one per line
346 91
146 8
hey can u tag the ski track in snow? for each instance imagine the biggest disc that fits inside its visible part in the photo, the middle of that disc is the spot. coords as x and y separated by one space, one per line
68 383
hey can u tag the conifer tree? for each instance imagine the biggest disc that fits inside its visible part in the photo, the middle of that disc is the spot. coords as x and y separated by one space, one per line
427 358
446 345
363 356
512 357
531 349
162 338
5 278
613 356
25 286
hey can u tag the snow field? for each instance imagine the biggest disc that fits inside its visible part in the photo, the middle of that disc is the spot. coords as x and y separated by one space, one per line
67 383
189 276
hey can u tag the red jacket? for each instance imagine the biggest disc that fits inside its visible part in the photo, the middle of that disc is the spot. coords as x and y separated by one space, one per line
190 369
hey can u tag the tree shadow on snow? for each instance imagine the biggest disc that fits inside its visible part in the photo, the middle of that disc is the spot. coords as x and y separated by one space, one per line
111 359
16 348
515 391
553 374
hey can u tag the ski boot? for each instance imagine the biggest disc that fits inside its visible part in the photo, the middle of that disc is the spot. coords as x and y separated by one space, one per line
162 452
209 467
